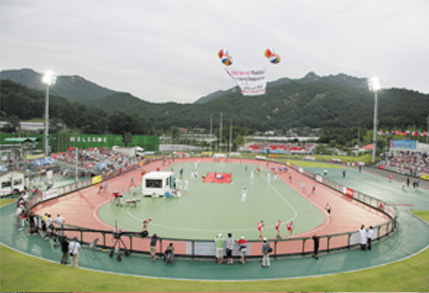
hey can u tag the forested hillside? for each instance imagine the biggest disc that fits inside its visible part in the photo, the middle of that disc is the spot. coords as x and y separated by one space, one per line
335 104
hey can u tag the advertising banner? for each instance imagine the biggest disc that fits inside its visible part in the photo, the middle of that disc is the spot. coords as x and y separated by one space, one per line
403 144
96 179
251 81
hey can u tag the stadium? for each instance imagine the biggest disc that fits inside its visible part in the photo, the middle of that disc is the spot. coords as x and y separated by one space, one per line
206 208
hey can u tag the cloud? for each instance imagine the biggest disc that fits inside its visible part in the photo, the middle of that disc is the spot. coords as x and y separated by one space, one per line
166 50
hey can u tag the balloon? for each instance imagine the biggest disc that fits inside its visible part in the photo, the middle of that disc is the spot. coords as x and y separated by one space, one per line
268 53
226 60
274 58
222 52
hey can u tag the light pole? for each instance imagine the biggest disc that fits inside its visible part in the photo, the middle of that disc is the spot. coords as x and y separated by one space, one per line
49 78
374 86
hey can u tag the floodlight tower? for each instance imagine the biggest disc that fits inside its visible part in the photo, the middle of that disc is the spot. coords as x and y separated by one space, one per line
374 86
49 78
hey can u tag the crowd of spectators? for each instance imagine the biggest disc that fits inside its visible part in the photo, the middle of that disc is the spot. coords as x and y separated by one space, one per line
286 148
407 162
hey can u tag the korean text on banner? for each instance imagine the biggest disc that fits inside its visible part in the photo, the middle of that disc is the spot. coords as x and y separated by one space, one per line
252 81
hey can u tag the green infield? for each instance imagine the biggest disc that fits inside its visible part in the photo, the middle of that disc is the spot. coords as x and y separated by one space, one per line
206 209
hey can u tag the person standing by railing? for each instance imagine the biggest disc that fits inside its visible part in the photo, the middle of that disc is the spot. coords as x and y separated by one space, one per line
369 235
243 248
363 237
266 249
316 246
74 248
219 248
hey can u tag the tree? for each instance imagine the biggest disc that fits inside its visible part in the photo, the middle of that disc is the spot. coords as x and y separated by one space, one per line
13 125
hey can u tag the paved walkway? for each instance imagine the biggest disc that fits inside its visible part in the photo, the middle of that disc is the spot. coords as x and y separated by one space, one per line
396 248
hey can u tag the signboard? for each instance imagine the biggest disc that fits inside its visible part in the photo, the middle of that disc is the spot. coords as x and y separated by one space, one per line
403 144
348 191
96 179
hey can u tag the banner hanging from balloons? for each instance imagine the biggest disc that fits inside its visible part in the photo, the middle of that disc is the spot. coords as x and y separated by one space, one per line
251 81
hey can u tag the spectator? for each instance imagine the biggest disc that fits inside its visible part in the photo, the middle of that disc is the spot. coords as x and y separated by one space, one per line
59 220
153 241
229 246
19 213
242 248
219 248
49 226
362 233
169 254
65 249
369 235
266 249
31 223
316 246
74 248
43 232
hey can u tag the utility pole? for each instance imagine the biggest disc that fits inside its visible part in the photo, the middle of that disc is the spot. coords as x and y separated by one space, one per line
220 134
230 137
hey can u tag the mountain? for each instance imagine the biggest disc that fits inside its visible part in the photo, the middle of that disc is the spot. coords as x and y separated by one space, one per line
74 88
337 101
334 101
210 97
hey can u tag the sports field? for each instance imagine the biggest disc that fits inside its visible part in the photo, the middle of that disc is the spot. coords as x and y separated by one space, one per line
206 209
53 277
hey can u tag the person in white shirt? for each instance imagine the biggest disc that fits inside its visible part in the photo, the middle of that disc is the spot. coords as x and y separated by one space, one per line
243 195
74 248
362 233
59 220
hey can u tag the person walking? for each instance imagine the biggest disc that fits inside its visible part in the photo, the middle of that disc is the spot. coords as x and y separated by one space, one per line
266 249
74 248
145 224
290 228
344 173
260 227
65 249
219 248
278 224
362 233
369 235
229 246
328 209
243 195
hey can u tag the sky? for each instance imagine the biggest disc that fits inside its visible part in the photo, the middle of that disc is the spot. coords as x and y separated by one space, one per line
166 50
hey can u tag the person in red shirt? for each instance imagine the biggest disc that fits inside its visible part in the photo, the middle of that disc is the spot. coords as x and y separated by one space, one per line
243 249
290 228
260 227
278 223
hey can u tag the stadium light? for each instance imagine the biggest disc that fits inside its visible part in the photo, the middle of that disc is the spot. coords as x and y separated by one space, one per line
49 78
374 86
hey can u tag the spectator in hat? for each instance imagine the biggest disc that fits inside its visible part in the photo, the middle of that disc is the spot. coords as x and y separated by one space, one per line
74 248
